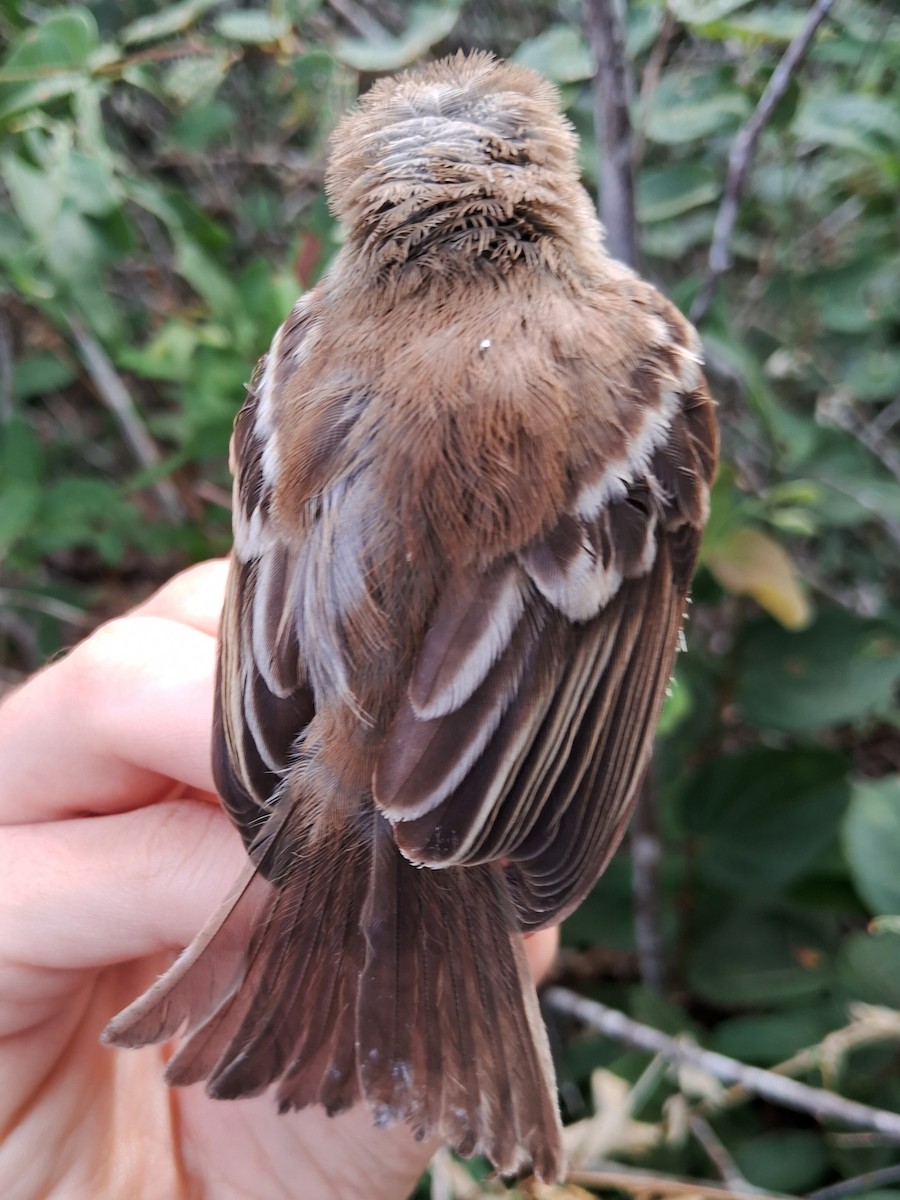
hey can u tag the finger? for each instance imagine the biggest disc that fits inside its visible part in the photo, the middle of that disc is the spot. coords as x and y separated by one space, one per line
193 597
540 950
90 892
112 725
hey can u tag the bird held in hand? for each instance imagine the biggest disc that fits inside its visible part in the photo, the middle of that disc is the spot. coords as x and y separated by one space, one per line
471 477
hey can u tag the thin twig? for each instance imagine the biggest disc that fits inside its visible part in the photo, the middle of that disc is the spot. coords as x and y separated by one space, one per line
837 411
49 605
650 80
870 504
612 120
886 419
111 389
648 1183
6 370
360 20
859 1183
613 125
742 154
779 1090
646 853
717 1154
870 1023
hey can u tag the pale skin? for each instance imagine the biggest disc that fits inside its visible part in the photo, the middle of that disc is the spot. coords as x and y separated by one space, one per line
113 852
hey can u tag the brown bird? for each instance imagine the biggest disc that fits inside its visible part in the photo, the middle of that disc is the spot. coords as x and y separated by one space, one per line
471 477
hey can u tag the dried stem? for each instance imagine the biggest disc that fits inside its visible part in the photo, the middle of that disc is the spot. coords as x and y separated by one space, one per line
717 1154
870 1023
360 20
743 152
111 389
612 120
6 370
775 1088
648 1183
613 124
646 853
650 80
837 411
859 1183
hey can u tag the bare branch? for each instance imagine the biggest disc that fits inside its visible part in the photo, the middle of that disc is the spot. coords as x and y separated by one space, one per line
648 1183
717 1154
6 370
869 1024
650 80
743 152
360 20
35 602
111 389
613 124
646 853
837 410
859 1183
779 1090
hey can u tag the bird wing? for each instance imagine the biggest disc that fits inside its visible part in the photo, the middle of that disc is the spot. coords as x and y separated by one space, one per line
263 700
528 721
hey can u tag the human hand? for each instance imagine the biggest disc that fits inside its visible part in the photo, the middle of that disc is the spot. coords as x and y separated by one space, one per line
113 853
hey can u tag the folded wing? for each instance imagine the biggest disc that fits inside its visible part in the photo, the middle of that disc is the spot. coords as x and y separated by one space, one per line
528 722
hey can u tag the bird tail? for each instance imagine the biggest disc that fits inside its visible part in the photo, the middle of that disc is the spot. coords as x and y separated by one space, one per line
359 977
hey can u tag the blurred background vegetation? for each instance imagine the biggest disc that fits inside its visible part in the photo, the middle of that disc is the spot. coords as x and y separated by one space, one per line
160 210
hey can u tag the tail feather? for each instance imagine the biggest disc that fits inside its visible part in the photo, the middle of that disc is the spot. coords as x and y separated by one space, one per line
358 976
205 977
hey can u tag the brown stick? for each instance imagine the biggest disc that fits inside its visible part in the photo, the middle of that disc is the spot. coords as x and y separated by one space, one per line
743 152
110 387
613 124
646 854
648 1183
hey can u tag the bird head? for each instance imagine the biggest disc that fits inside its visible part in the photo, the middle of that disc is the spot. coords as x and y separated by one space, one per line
455 154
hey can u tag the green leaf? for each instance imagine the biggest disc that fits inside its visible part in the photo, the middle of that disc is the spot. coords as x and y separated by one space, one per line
676 708
35 200
560 53
757 958
786 1160
43 63
670 191
761 818
768 25
841 669
74 251
869 968
173 19
771 1038
168 356
21 503
63 39
427 24
91 185
871 838
670 123
206 277
704 12
196 79
857 123
39 373
252 26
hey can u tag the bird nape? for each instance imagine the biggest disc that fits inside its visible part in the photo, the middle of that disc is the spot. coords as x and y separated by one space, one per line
471 478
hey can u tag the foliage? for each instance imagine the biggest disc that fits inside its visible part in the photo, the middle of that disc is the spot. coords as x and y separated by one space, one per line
161 169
